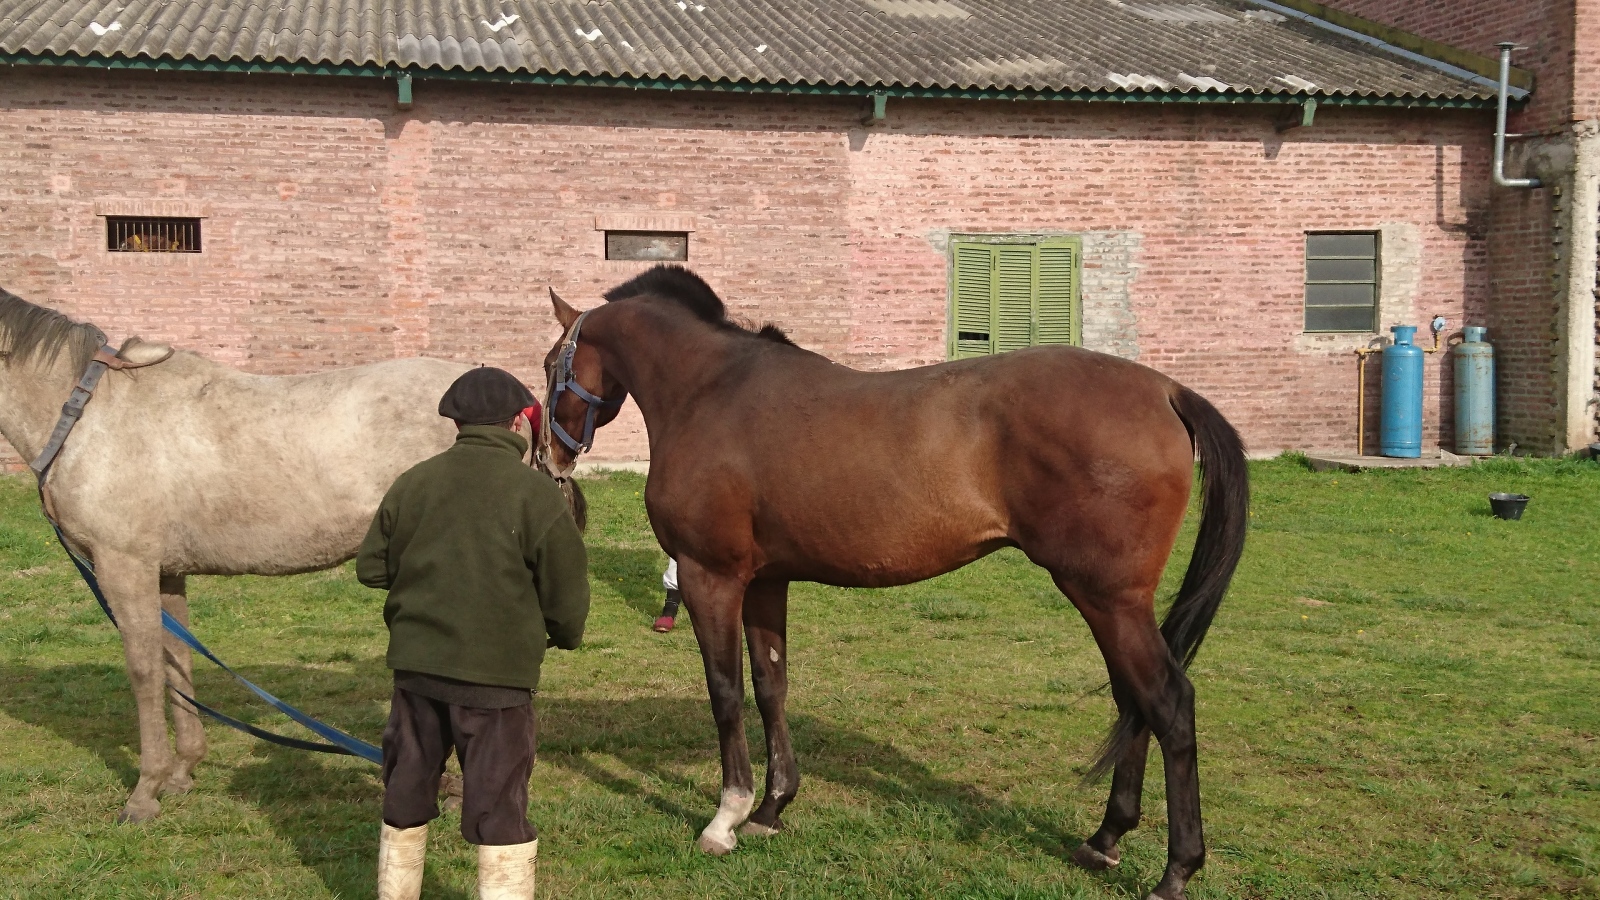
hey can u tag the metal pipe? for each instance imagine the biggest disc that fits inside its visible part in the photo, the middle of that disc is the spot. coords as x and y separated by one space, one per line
1361 397
1500 126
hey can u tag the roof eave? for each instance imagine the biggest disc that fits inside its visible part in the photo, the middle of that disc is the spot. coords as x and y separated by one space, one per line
564 79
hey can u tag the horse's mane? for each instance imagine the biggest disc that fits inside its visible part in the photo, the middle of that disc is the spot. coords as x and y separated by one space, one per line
688 290
34 333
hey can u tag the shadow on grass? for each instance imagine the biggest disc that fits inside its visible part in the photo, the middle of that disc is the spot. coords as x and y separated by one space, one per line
634 574
653 736
329 809
87 705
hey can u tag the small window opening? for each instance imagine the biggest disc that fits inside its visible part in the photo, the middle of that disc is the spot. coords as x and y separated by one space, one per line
650 246
1341 282
152 234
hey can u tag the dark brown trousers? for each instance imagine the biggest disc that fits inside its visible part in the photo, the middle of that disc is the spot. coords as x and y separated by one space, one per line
495 747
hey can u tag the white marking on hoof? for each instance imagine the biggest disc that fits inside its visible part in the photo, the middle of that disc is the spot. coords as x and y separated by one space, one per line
718 839
756 830
715 847
1095 861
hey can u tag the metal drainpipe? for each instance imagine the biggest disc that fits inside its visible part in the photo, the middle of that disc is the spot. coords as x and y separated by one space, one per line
1500 126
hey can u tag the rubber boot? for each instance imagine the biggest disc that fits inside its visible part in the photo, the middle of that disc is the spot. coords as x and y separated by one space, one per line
669 611
506 872
400 852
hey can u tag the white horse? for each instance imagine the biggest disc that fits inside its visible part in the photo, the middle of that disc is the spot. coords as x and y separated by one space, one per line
187 467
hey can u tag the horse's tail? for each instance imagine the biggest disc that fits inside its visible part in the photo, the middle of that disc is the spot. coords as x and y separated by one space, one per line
1224 511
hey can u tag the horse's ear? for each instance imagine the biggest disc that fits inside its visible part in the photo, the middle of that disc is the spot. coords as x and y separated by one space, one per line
565 314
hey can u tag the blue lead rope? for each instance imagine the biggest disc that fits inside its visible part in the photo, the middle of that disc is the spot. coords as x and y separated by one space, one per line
338 741
71 411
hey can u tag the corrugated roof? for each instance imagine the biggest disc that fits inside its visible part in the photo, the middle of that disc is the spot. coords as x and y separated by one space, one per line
1118 46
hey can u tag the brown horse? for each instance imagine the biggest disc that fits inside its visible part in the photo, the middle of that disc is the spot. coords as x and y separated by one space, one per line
771 464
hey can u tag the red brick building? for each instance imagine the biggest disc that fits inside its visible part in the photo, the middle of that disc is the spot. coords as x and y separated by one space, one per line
1542 243
370 182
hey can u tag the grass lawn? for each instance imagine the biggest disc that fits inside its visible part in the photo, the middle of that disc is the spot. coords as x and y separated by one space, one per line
1396 700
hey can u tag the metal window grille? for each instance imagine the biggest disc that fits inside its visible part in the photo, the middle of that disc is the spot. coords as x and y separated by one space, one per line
1342 282
651 246
152 234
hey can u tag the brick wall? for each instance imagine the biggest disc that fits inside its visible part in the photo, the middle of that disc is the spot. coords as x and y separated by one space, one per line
1525 234
340 230
1545 27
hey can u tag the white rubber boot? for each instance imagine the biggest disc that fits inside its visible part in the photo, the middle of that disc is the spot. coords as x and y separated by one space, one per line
506 872
400 852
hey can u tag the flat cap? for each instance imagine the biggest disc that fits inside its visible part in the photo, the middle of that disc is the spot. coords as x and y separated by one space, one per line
485 396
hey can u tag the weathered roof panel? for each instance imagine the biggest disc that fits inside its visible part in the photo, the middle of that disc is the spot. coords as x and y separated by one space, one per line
1115 46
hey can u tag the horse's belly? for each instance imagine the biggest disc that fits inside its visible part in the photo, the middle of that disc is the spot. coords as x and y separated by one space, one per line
269 543
885 553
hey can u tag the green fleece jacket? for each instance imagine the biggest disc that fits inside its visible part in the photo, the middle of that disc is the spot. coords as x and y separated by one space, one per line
481 560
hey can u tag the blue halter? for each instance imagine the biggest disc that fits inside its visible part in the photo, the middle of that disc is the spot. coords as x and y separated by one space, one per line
563 380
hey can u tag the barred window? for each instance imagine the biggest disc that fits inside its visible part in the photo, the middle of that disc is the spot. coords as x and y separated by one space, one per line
152 234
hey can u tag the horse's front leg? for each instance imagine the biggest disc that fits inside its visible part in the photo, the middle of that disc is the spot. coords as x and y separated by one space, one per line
766 607
132 588
186 725
714 603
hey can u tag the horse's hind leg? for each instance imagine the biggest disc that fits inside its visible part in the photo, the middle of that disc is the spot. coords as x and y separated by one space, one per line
1145 673
1100 851
714 603
766 607
131 587
191 734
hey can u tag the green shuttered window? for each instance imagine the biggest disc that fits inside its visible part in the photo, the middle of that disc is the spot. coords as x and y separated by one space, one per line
1005 296
1342 282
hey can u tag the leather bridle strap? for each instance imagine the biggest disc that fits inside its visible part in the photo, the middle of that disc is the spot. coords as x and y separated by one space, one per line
563 379
104 358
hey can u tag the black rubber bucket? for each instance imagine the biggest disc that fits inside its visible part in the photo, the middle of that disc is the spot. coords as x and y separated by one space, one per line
1508 506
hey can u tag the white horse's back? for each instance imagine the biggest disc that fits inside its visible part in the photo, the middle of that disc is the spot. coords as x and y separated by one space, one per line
237 473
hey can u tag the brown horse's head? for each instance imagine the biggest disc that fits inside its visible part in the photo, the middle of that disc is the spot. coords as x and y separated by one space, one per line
580 396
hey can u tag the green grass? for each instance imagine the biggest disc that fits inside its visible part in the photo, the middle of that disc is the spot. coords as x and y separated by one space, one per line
1397 700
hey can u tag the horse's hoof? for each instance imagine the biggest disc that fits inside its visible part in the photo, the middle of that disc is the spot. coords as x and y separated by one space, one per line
717 847
177 784
134 814
1170 888
1095 861
756 829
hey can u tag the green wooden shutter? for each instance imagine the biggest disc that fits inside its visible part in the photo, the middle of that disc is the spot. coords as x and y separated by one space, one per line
1014 271
1009 296
1058 318
973 334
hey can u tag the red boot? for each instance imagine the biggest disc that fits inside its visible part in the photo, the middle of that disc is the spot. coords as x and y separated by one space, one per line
669 612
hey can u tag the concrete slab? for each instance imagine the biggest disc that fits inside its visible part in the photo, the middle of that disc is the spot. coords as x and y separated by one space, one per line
1330 462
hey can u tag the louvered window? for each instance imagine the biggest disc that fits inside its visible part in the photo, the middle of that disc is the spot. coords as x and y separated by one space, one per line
1342 282
1006 296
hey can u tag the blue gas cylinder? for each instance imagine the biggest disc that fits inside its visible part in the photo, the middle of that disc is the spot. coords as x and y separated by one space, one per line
1474 369
1400 428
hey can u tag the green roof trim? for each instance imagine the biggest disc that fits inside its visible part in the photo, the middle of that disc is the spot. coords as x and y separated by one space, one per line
242 67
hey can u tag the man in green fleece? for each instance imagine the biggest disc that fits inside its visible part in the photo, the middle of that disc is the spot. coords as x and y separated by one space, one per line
484 567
